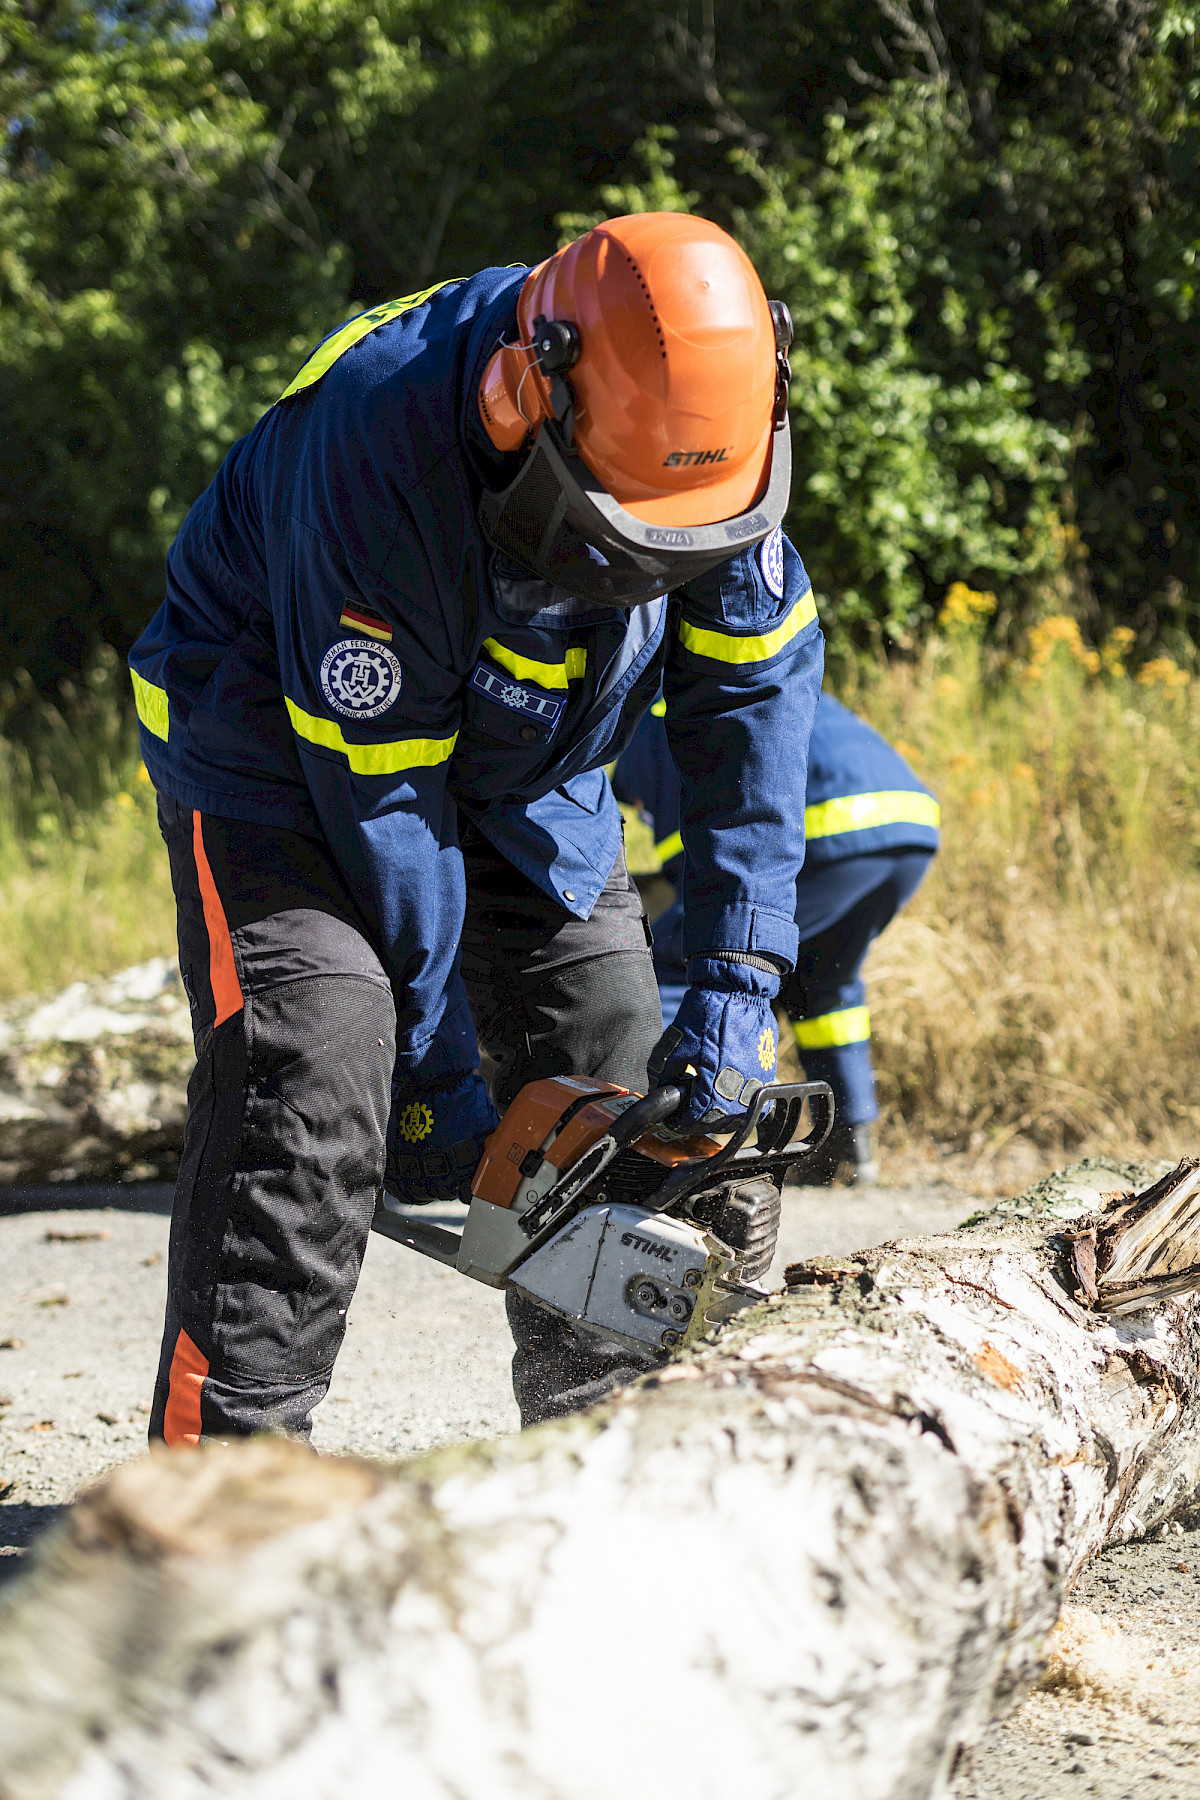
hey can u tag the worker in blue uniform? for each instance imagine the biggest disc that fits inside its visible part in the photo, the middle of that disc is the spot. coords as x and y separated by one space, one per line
419 608
871 832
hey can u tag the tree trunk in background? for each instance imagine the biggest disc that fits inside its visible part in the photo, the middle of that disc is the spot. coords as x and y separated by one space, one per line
814 1559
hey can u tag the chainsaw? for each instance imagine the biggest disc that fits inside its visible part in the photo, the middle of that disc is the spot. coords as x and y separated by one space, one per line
585 1205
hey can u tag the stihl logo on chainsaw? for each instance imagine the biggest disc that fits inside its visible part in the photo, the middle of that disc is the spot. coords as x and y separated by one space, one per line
633 1242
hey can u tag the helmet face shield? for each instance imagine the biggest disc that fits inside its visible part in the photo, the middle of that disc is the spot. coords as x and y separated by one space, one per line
559 522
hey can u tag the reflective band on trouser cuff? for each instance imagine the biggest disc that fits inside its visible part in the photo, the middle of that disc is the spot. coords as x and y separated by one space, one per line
547 675
670 846
723 646
371 759
181 1421
222 970
151 703
326 354
859 812
850 1026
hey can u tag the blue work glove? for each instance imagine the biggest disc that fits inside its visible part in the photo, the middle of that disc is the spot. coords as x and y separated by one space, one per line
725 1032
435 1139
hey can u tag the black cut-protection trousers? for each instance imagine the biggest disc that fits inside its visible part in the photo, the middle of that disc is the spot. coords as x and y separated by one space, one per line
294 1021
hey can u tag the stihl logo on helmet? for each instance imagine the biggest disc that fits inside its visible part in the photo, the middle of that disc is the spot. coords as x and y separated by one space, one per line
651 371
682 459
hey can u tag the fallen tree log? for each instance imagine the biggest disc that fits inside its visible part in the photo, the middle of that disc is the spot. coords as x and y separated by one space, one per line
93 1080
814 1559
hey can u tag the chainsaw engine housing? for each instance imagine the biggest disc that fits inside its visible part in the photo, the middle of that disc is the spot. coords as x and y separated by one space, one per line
582 1204
643 1278
549 1126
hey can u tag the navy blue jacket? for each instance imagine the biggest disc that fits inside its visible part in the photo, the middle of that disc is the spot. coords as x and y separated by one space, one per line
340 652
862 796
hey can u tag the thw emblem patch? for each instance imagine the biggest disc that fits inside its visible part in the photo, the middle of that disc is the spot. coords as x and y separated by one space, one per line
770 561
360 680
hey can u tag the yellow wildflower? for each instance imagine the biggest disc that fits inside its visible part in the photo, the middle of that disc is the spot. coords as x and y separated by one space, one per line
1163 671
983 796
1045 638
1116 648
965 609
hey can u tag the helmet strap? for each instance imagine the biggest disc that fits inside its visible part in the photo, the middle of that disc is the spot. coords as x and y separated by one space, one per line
781 319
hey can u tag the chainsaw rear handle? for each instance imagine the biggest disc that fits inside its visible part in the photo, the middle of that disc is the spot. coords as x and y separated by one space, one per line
655 1108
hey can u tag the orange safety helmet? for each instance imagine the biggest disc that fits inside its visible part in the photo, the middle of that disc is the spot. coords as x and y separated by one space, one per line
651 370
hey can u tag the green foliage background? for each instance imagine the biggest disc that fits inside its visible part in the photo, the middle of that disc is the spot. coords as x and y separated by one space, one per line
983 214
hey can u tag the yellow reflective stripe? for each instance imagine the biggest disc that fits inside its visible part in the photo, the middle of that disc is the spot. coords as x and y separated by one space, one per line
859 812
151 703
671 846
850 1026
547 675
371 759
327 353
659 710
722 646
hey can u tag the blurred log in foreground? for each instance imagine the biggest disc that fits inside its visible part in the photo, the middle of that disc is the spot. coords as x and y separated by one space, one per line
816 1559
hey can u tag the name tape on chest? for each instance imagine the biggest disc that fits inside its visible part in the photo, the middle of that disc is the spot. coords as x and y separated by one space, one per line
504 691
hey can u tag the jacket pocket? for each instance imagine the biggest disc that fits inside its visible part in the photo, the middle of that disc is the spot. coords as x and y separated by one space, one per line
585 791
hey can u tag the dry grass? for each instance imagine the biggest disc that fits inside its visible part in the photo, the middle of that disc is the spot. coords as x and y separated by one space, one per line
77 907
1046 980
84 884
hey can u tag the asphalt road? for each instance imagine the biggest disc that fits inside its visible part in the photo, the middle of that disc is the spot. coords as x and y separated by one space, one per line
82 1275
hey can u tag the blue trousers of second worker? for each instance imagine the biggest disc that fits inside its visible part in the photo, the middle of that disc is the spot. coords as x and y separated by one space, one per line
841 908
670 998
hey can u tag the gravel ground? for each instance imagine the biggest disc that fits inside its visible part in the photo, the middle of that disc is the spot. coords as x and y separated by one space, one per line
426 1362
1123 1719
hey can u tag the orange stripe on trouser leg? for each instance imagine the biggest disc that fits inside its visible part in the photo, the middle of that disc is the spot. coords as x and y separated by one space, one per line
222 970
181 1421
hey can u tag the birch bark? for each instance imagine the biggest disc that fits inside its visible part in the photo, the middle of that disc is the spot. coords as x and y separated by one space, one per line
813 1560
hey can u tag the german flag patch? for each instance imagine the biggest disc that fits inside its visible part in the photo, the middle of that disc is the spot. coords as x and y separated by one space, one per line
357 618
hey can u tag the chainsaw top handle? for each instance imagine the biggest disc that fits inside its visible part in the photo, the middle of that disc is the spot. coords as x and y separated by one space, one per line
773 1154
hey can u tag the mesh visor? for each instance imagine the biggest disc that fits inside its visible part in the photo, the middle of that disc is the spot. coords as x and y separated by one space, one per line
558 521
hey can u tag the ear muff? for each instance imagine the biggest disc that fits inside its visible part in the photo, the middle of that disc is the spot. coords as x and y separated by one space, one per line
509 402
523 384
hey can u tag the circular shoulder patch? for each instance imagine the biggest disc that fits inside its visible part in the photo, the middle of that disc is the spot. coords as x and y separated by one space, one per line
360 680
770 561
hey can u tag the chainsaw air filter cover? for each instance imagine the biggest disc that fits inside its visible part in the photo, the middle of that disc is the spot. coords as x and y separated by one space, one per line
548 1128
